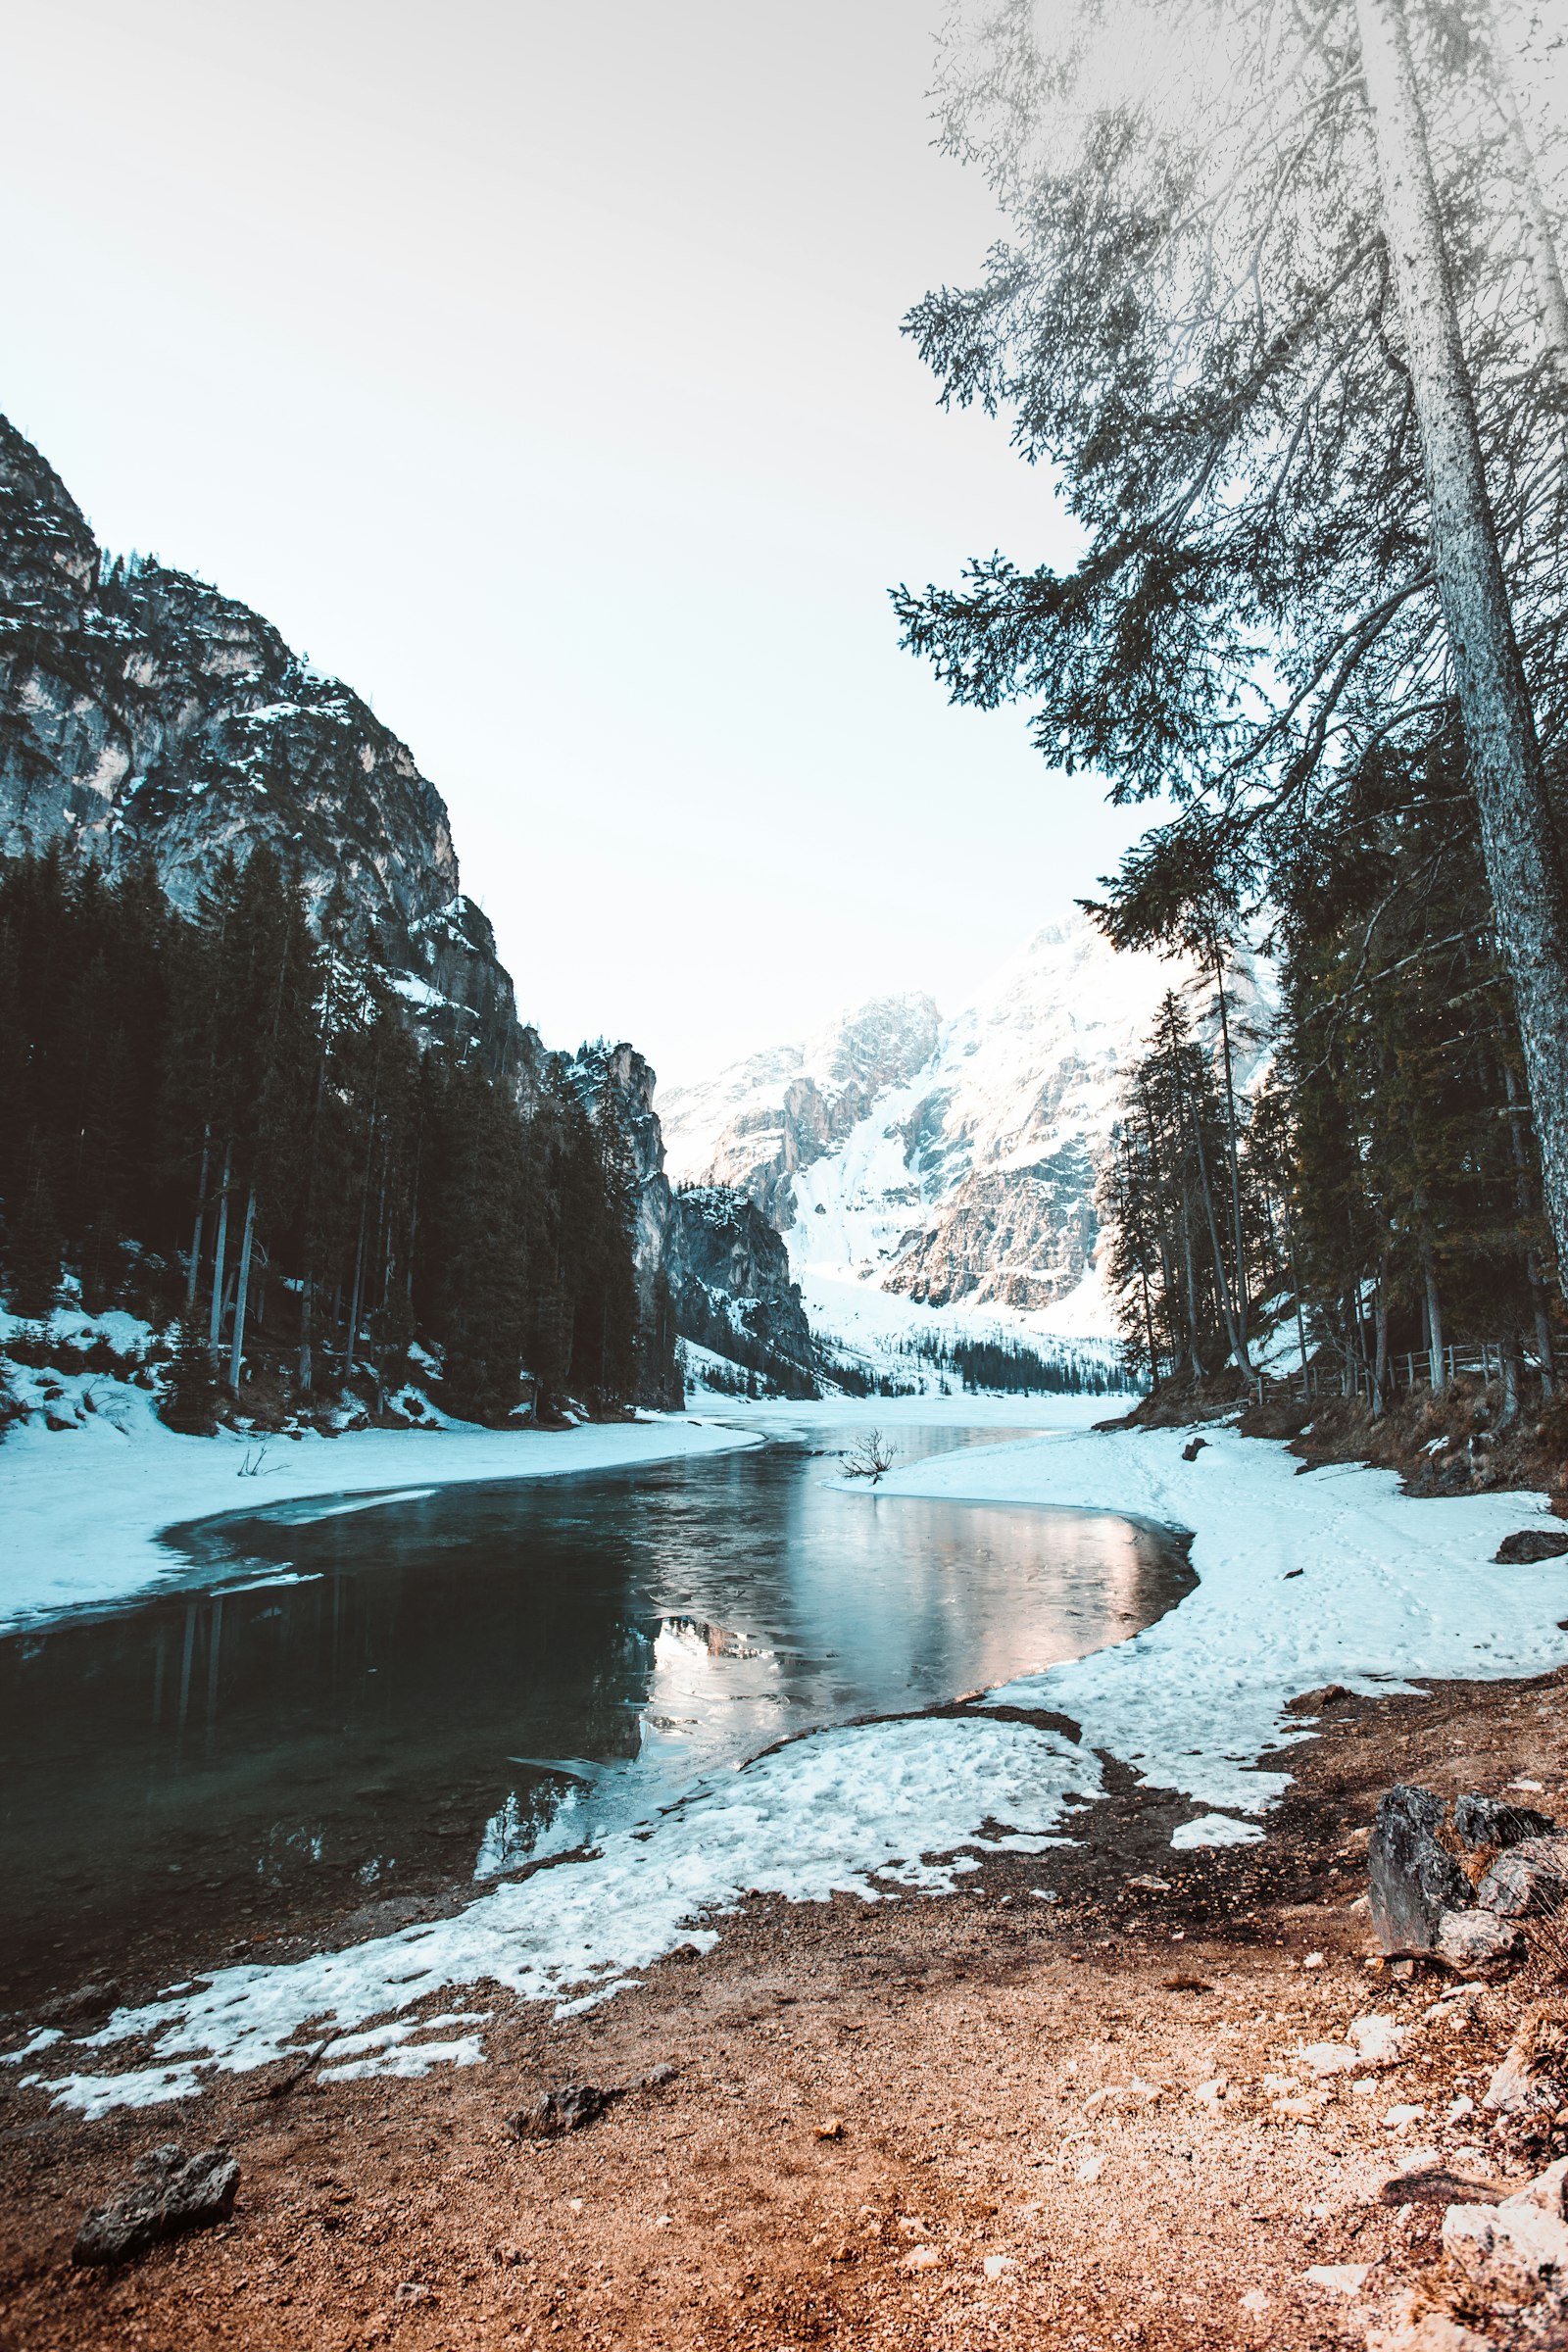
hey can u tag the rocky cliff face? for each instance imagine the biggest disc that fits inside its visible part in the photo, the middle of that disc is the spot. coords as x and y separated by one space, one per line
967 1177
631 1082
757 1125
145 716
729 1275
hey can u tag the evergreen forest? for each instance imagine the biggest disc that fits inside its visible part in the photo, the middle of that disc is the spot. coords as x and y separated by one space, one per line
1285 320
223 1123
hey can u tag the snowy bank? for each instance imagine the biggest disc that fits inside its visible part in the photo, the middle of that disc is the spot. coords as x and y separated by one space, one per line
852 1810
1332 1575
82 1509
1303 1579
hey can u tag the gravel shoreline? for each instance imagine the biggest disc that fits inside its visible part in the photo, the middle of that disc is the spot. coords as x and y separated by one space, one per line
943 2121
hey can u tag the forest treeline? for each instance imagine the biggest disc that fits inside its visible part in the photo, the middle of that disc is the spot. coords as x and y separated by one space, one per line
1281 303
225 1119
1356 1176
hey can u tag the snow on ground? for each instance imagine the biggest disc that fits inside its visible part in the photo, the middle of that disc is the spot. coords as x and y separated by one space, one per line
82 1509
885 1328
1333 1576
853 1810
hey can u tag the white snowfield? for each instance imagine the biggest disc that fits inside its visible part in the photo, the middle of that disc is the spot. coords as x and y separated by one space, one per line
81 1509
1303 1579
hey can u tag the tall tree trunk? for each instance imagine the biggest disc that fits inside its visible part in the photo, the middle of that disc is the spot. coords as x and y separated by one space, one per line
307 1301
1525 1203
1552 296
242 1290
215 1327
1232 1147
193 1270
1380 1365
1435 1366
1235 1336
1523 859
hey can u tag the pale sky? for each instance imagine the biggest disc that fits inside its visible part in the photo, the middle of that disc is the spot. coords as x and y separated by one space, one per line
537 371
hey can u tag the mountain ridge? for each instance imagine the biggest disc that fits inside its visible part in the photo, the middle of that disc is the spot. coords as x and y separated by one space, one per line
966 1181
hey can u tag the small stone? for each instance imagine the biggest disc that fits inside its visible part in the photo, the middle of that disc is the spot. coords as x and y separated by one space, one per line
1378 2038
166 2195
1315 1702
1211 2094
1313 1960
1399 2118
1330 2058
921 2258
411 2292
998 2266
1090 2169
570 2109
1462 2106
1339 2278
833 2129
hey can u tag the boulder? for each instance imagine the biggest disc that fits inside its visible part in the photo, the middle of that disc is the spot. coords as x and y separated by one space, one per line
1492 1821
1412 1880
1529 1876
1529 1545
1523 2242
1476 1939
167 2194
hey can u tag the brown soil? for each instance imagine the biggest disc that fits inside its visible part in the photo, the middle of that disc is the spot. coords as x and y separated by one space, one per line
1013 2079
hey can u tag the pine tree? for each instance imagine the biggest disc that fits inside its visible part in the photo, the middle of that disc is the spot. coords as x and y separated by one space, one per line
190 1394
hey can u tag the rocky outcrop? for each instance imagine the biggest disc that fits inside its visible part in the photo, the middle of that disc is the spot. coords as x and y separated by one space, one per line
729 1278
146 717
630 1082
757 1125
1023 1235
955 1162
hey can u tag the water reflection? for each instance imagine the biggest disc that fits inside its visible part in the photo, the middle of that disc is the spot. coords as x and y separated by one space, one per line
477 1674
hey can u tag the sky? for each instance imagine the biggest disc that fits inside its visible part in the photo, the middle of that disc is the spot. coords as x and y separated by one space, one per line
537 371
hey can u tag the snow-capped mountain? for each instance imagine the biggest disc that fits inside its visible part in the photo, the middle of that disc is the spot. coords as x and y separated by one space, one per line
951 1165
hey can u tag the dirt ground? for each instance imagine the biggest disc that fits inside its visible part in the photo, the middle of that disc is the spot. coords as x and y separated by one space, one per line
958 2122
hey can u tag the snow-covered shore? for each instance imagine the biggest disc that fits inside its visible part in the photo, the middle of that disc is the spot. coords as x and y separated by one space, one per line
81 1509
1333 1576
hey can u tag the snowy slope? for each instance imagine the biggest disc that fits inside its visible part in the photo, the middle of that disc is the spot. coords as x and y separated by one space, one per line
965 1180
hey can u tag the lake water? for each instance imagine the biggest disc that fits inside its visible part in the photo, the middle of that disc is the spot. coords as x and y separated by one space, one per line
342 1702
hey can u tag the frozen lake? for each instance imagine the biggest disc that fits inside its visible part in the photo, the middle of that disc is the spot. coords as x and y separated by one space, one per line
342 1698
